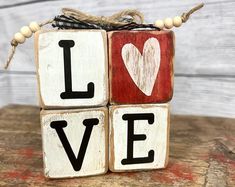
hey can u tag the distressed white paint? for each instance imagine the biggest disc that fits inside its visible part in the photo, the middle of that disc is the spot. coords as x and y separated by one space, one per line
143 68
56 162
156 133
88 64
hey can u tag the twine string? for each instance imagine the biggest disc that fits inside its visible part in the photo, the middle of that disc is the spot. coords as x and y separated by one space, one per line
49 21
185 16
11 53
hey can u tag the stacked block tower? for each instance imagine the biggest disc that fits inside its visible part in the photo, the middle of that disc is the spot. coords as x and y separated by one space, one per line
104 99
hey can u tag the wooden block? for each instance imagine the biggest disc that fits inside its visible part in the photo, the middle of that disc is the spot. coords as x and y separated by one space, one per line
75 142
72 68
139 137
141 66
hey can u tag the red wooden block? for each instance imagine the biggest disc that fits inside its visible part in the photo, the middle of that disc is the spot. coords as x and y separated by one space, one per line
141 66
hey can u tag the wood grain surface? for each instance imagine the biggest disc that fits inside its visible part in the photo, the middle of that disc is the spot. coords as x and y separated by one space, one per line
204 58
202 153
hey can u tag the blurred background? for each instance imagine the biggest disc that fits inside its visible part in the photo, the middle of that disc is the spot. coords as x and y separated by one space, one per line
204 59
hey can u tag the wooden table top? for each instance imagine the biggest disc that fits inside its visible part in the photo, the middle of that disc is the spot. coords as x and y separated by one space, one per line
202 153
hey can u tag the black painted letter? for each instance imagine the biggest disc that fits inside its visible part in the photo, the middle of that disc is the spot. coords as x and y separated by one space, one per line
76 162
69 93
131 137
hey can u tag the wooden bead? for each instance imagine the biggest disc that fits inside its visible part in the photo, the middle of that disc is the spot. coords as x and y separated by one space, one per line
159 24
177 21
26 31
168 23
19 38
34 26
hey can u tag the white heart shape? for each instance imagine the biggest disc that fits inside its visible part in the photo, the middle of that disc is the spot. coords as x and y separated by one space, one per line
143 69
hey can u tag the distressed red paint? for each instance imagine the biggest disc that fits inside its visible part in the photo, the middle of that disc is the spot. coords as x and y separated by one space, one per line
220 157
174 173
38 177
17 174
223 159
29 153
24 175
182 171
122 88
26 152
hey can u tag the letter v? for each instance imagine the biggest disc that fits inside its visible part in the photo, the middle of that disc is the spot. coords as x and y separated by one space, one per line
76 162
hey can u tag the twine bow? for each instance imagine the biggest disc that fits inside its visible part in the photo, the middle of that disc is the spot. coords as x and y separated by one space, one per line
121 18
125 19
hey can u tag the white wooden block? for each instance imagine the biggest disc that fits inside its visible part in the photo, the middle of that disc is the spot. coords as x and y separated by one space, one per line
139 137
75 142
72 68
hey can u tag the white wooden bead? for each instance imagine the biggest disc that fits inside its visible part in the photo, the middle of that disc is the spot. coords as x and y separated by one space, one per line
159 24
26 31
168 23
34 26
19 38
177 21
